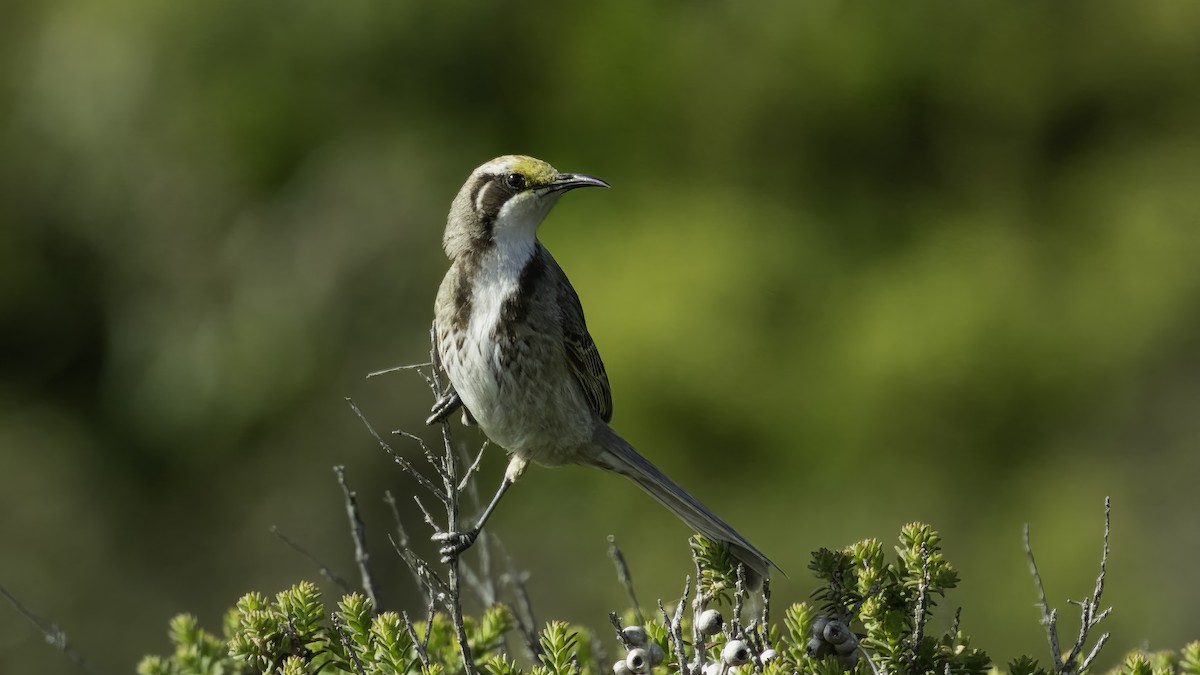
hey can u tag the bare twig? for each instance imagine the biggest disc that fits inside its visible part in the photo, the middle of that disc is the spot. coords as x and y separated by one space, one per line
53 635
428 580
358 533
674 626
921 611
1091 615
430 612
400 543
766 613
450 485
427 515
621 637
394 369
349 646
699 602
434 461
418 645
623 576
322 569
736 629
598 653
481 581
467 484
404 463
523 610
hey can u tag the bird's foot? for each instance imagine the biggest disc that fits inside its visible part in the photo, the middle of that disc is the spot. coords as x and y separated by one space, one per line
453 544
444 407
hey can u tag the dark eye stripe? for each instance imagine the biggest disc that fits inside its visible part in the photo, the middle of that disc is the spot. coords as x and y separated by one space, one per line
480 181
491 198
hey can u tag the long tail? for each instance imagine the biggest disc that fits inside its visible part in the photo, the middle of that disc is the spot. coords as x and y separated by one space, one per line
616 455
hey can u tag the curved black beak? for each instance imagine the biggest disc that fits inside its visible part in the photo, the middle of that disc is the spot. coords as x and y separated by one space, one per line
569 181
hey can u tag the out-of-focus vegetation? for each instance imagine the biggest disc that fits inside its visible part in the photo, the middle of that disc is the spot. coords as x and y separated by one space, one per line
861 264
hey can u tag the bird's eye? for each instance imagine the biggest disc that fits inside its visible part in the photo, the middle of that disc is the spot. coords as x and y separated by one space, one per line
515 181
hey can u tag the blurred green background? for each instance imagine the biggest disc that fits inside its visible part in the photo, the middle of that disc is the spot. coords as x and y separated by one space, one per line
862 263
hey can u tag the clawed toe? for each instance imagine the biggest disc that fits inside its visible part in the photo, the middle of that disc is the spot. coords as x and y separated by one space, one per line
453 544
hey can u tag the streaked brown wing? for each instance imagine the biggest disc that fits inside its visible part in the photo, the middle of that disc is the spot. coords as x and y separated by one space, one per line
582 355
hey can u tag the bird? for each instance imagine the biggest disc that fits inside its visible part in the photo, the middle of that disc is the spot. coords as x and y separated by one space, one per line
510 335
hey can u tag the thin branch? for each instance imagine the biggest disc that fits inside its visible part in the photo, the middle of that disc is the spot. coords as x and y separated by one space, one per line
467 483
426 514
358 533
400 543
523 610
677 627
598 653
322 569
736 630
1049 616
620 630
425 482
53 635
766 613
430 612
674 626
395 369
434 461
1090 613
428 580
404 463
419 646
699 601
623 576
450 483
920 611
350 648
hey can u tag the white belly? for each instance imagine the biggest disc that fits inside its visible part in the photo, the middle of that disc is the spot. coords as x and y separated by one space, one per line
520 391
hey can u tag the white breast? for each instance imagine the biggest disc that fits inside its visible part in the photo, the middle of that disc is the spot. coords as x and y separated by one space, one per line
475 368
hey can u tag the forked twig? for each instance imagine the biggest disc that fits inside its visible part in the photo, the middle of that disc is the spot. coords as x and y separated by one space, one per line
1091 614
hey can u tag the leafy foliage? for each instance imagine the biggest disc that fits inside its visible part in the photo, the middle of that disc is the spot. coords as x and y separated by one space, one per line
888 603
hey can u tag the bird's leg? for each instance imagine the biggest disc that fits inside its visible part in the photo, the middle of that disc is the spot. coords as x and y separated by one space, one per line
455 543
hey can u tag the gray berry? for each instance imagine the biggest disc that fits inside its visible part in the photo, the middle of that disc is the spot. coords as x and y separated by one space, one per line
656 653
818 648
836 632
709 622
636 635
847 648
621 668
638 660
735 653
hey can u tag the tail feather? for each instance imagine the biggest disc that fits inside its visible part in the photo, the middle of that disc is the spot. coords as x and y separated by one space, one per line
616 455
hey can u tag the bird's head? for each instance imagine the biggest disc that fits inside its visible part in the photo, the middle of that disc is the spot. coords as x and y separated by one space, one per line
506 199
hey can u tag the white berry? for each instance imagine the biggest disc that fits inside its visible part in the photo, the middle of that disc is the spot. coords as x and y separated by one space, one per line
735 653
636 635
656 653
709 622
621 668
638 660
768 655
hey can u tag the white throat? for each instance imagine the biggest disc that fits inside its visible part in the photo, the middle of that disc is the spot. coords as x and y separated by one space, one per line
514 243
